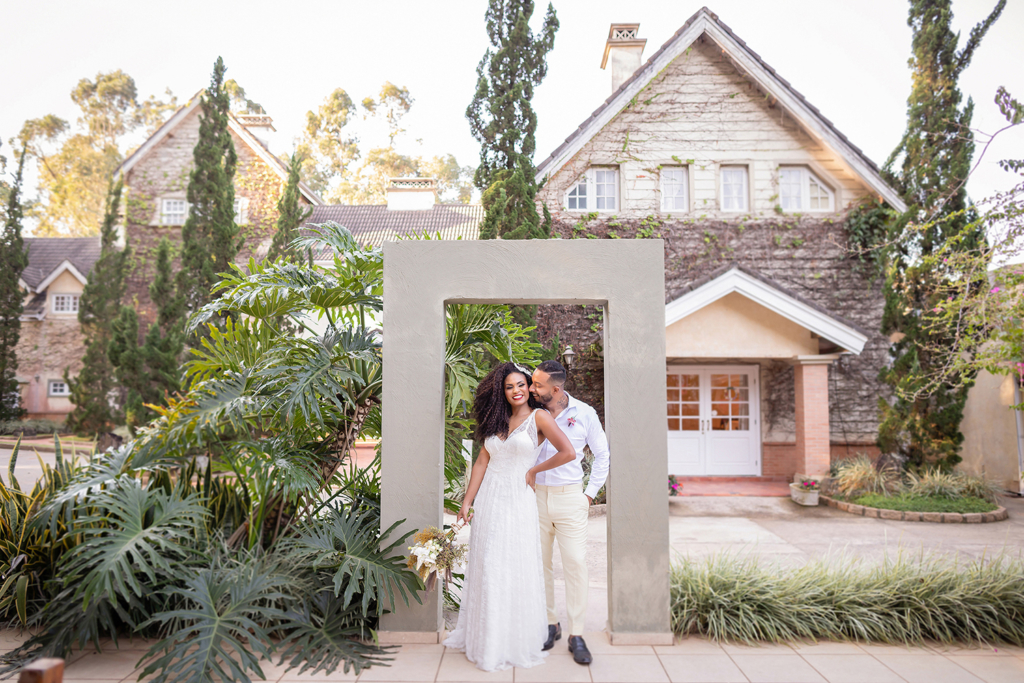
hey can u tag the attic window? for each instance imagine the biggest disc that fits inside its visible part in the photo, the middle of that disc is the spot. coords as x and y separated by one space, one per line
173 211
596 190
801 190
65 303
734 188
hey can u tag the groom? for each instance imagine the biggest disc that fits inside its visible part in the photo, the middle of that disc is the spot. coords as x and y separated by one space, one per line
563 505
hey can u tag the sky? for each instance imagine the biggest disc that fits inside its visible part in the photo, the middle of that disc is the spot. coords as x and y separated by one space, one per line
847 57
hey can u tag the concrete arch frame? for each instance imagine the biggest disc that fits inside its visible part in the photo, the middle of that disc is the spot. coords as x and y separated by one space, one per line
625 276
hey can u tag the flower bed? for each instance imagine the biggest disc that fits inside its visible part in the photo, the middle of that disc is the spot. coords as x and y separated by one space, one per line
910 503
997 515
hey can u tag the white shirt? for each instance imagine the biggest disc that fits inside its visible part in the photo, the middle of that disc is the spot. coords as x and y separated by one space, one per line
581 424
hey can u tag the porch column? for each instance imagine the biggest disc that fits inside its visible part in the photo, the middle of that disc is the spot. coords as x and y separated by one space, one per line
810 379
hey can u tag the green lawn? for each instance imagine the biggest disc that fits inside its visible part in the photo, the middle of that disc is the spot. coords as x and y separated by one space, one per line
909 503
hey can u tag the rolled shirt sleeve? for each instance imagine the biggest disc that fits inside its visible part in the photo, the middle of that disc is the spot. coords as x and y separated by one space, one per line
598 442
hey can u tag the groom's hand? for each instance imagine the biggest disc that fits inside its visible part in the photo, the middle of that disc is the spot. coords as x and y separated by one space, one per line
590 500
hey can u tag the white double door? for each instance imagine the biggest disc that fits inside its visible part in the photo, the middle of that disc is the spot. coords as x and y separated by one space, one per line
713 414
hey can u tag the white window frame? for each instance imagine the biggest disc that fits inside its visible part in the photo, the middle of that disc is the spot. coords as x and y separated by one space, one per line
241 210
165 215
745 193
589 181
806 176
66 391
685 185
72 303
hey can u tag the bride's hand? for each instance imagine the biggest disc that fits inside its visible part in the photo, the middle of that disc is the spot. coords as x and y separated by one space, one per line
465 515
531 479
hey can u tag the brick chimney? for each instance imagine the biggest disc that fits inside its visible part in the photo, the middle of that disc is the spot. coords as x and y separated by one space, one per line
412 194
624 50
259 125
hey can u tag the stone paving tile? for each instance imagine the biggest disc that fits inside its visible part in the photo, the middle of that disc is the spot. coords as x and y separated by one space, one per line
690 646
763 649
691 668
779 668
633 668
414 666
115 664
852 668
931 668
455 667
895 650
599 643
556 669
993 669
826 647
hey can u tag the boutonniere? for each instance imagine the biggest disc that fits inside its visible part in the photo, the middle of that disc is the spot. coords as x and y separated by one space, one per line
571 421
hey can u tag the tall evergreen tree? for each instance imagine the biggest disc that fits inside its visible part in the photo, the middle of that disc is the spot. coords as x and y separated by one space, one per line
98 306
164 341
13 259
935 160
290 214
502 119
209 238
130 368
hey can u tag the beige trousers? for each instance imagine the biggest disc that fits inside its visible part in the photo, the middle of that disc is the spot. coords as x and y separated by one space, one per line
564 512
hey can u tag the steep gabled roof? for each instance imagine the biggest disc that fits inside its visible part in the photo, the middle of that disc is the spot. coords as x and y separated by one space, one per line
750 64
50 256
251 140
373 224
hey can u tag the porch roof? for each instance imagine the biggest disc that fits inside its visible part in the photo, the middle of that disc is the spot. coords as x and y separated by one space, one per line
775 297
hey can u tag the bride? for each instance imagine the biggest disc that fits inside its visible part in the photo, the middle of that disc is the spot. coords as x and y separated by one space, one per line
503 616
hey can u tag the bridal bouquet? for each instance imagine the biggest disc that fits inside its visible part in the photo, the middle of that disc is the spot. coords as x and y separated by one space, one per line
435 553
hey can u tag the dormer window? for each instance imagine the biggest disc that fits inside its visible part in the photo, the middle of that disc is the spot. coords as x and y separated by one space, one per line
735 188
801 190
675 189
596 190
173 211
65 303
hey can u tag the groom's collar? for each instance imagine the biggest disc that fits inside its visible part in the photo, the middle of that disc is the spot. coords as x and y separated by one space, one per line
572 407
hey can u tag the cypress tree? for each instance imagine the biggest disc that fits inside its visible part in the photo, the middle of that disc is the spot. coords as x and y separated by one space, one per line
935 152
164 341
13 259
502 119
99 304
209 237
129 367
290 214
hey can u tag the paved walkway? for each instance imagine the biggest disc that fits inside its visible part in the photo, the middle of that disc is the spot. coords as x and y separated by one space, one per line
774 529
691 660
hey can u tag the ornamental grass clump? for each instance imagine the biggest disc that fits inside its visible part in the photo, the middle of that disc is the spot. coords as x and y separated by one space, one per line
954 485
906 599
858 476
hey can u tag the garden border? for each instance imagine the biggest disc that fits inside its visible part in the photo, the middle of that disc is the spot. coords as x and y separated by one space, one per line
997 515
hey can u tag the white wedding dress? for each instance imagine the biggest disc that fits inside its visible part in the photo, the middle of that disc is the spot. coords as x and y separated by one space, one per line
503 614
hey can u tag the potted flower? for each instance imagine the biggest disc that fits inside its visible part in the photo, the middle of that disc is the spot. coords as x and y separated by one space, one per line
804 492
674 487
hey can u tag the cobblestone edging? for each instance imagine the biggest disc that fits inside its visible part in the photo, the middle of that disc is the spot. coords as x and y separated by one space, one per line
997 515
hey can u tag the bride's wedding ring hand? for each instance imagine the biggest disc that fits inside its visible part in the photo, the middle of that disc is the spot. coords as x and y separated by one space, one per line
531 479
465 515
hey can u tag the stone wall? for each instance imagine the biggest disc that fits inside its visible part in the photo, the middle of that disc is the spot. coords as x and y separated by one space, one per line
45 349
803 254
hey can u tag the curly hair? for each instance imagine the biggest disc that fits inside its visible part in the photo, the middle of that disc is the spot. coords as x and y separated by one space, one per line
490 407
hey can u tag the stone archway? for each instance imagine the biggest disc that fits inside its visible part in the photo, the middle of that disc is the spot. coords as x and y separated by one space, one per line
625 276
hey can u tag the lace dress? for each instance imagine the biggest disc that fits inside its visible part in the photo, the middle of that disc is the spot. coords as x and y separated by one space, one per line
503 615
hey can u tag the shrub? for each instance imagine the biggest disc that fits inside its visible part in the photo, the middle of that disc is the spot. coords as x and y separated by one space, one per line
858 476
935 482
31 427
932 503
902 600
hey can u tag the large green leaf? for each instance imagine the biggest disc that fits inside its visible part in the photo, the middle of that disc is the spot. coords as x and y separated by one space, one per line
219 633
131 532
343 543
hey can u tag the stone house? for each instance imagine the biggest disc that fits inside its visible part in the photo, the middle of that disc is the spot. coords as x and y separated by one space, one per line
51 339
772 329
156 179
